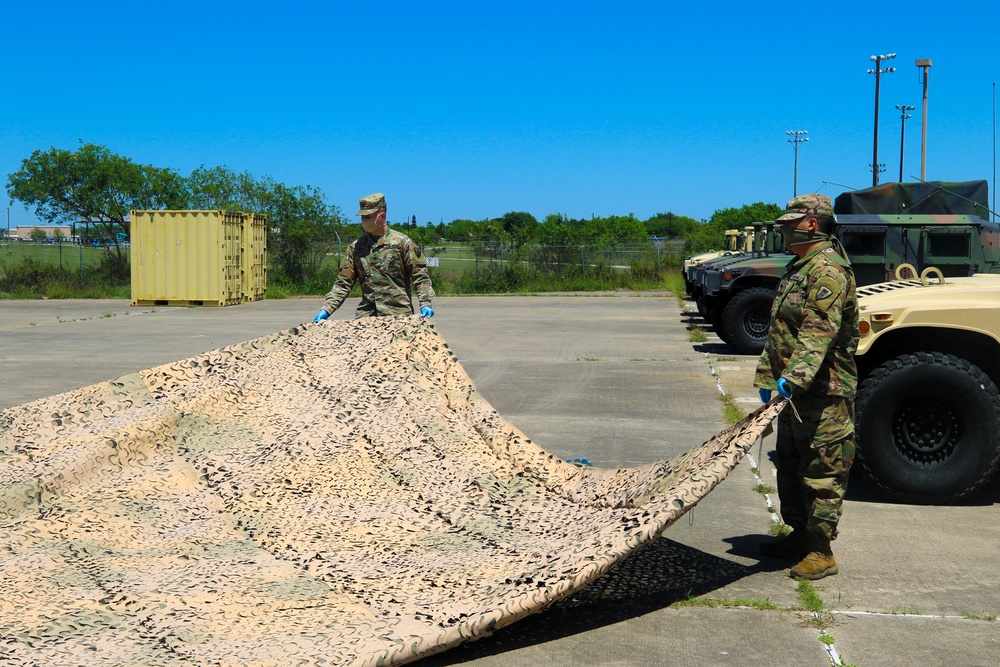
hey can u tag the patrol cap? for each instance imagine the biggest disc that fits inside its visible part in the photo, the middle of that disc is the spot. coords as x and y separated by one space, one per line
372 204
804 205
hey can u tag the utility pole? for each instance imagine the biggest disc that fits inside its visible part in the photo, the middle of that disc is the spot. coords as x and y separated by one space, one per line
924 63
878 72
903 108
796 137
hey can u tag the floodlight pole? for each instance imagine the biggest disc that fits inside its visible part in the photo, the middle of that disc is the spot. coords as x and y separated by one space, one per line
903 108
924 63
795 140
878 72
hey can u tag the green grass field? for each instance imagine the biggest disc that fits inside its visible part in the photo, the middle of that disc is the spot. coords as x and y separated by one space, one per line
66 255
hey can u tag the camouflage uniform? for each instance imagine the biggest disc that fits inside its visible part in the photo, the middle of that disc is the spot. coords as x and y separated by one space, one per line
811 343
389 268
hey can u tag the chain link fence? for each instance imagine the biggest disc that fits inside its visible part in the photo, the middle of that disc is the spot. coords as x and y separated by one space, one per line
64 269
500 267
31 269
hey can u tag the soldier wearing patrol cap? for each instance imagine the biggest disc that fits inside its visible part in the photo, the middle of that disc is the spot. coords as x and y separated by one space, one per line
388 265
809 359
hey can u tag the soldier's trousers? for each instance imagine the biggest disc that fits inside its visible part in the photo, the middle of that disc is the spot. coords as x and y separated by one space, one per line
814 457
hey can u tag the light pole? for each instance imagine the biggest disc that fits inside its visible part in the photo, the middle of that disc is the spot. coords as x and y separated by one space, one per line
796 137
903 108
878 72
924 63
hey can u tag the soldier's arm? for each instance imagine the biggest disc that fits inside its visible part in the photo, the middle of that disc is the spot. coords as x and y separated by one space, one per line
416 267
823 313
346 278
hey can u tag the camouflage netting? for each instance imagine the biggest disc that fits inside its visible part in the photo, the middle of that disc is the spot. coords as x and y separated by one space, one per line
332 494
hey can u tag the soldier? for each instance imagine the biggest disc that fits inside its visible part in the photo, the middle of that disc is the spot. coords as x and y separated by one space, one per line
809 359
387 263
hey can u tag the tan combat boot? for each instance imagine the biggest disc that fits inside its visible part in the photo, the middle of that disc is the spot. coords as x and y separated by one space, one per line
818 563
794 545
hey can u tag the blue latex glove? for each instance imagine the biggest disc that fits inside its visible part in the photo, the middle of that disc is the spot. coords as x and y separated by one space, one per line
785 388
321 315
426 311
765 395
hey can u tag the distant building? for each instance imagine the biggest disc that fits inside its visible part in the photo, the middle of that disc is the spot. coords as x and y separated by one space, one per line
24 232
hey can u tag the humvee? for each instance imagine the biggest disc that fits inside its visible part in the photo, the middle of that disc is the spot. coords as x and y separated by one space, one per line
928 408
923 224
737 242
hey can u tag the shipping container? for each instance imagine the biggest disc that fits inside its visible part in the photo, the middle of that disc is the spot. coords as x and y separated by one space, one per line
254 256
187 258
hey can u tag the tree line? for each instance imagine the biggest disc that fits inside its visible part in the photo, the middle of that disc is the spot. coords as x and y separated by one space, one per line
95 186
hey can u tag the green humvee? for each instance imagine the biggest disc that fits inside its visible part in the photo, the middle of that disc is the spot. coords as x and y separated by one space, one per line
923 224
737 242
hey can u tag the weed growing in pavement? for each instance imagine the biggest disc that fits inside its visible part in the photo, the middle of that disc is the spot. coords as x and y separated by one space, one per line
980 617
731 413
752 603
904 611
587 359
696 335
826 639
764 488
780 529
808 596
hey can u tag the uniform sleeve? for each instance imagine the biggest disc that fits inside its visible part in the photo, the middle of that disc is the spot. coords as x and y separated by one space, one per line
416 266
342 287
822 315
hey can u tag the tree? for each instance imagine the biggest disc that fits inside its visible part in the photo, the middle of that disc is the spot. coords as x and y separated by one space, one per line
303 229
38 234
94 186
669 225
58 235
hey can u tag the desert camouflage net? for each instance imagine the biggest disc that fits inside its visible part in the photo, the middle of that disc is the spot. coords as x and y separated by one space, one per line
332 494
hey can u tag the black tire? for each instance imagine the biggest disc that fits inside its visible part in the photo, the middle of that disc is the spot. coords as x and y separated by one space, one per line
705 307
746 318
928 428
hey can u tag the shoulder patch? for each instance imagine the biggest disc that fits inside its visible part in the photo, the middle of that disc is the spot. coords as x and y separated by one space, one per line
825 292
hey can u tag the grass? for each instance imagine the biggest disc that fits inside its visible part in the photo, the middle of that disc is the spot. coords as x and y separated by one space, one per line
980 617
731 413
779 529
808 596
763 604
904 611
696 335
764 488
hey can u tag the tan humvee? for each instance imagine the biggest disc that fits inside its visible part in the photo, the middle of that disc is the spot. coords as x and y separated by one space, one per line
928 408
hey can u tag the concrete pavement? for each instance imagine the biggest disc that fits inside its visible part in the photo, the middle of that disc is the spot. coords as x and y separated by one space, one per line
616 379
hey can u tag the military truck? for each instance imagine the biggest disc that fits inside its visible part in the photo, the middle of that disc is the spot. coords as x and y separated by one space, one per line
740 316
737 242
923 224
928 408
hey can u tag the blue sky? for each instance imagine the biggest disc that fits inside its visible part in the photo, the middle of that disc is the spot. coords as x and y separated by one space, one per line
473 109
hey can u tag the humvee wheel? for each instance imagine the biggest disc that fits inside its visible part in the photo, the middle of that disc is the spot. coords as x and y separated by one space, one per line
746 318
928 428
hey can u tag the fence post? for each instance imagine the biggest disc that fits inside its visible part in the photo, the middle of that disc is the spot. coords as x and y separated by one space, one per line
583 261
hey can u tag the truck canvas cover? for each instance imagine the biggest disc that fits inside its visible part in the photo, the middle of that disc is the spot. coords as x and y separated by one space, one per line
929 197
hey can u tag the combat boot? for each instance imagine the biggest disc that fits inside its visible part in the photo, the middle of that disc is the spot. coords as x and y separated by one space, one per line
793 546
818 563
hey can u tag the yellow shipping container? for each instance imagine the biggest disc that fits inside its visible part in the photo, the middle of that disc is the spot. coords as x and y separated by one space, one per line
254 256
187 258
